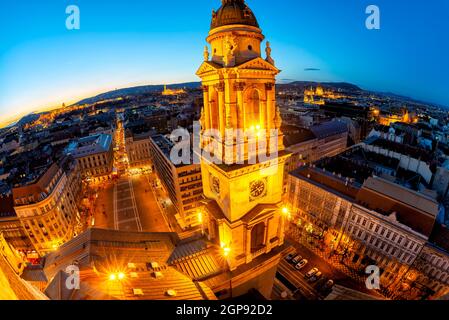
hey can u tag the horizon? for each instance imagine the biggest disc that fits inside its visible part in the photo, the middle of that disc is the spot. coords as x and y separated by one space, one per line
14 119
144 49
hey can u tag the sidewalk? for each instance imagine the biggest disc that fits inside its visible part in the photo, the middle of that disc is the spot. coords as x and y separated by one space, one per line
358 280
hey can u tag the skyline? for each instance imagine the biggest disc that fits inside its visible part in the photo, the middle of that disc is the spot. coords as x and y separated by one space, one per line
122 46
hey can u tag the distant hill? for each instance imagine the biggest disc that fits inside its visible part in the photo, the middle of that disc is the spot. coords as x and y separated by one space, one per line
137 91
191 85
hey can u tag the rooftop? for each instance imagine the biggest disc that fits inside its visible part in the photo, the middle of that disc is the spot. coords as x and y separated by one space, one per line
233 12
328 129
90 145
142 258
414 152
413 209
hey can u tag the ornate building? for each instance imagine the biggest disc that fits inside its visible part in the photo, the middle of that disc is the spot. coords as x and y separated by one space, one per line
172 92
242 213
47 207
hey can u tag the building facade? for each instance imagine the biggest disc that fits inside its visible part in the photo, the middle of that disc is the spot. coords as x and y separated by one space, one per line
47 208
94 155
379 223
10 225
138 149
324 140
183 183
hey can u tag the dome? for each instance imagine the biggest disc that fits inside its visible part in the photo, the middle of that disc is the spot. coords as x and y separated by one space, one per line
233 12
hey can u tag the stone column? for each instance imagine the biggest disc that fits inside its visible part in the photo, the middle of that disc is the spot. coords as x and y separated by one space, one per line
239 87
263 114
270 105
249 257
207 121
221 109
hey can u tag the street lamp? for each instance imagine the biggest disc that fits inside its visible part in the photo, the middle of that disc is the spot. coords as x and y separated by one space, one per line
116 276
226 251
286 213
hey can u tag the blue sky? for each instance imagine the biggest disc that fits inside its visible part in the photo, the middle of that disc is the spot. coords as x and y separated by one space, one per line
134 42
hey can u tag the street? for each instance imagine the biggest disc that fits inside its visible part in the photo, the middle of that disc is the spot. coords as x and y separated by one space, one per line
295 281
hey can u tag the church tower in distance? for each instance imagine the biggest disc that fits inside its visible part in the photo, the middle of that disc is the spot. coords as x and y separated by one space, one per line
242 151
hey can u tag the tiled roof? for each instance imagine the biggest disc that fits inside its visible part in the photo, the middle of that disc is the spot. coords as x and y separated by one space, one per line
142 257
328 129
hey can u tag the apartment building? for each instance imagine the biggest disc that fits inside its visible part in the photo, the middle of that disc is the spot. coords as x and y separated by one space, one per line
47 206
368 217
94 155
138 148
183 183
308 145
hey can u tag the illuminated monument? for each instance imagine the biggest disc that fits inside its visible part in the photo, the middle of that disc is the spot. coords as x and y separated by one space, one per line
243 212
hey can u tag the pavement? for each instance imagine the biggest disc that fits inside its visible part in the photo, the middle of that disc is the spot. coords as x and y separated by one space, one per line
128 204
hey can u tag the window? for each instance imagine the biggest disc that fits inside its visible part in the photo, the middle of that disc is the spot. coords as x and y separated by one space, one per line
250 48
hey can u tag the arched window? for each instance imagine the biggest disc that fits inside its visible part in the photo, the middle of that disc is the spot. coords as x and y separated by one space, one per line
214 113
253 110
258 237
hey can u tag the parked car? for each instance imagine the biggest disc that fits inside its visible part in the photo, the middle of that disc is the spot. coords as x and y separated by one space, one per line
297 259
311 273
316 277
290 256
301 264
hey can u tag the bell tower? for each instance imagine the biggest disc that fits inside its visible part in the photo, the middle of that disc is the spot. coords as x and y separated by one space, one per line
242 151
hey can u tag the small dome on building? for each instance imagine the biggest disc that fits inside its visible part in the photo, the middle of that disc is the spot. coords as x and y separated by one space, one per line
233 12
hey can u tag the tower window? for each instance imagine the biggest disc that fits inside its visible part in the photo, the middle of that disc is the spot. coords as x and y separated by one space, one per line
250 48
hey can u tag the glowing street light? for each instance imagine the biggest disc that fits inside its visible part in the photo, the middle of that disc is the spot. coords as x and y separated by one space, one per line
116 276
286 212
226 251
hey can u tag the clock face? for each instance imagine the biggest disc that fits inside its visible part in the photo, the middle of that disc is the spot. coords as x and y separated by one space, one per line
258 189
215 184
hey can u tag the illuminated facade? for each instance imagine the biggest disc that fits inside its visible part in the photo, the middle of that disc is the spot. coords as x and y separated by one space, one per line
183 183
138 150
94 155
172 92
47 208
354 222
318 95
243 210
